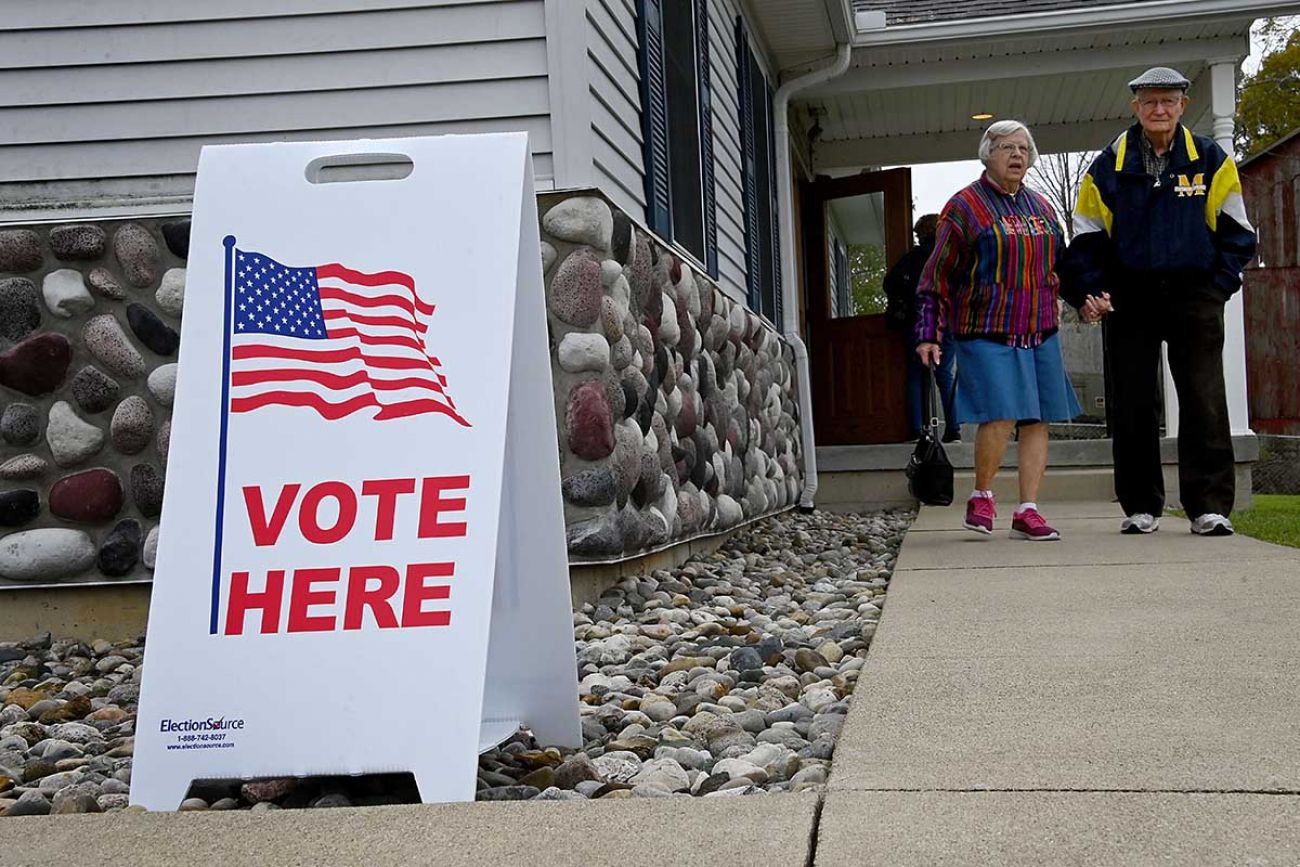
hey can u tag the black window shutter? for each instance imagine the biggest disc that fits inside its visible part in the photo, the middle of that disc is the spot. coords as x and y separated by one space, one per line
704 73
748 179
778 305
654 116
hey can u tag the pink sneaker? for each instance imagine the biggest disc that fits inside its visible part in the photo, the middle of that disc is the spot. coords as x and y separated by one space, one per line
980 512
1031 526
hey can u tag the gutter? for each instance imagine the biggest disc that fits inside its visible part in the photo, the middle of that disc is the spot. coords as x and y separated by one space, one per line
1163 12
789 277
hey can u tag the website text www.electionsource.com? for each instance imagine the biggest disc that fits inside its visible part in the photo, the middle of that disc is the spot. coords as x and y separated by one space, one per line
221 745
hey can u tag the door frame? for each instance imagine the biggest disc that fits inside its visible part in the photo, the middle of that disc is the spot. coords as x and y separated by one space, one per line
896 185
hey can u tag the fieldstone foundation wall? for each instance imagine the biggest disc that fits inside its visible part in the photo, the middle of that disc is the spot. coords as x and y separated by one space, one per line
676 405
89 321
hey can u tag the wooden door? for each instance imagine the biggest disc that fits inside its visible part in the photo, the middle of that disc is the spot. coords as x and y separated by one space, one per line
859 369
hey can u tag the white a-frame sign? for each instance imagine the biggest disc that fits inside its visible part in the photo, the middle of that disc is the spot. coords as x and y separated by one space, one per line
362 564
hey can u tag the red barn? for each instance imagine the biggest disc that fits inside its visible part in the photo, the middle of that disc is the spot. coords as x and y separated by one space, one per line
1271 183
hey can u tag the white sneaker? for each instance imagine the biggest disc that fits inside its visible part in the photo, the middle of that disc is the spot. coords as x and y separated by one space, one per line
1139 523
1212 524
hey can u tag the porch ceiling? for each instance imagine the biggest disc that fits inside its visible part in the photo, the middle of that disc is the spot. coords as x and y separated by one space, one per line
911 90
896 105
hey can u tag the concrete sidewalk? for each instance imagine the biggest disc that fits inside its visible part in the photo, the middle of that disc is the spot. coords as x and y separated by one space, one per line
1104 699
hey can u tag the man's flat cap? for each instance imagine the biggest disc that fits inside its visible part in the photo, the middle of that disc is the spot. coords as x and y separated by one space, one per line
1161 77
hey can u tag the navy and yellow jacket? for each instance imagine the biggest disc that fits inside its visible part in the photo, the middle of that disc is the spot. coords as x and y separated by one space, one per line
1191 226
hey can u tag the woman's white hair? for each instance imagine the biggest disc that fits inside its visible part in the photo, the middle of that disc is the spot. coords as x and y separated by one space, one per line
999 130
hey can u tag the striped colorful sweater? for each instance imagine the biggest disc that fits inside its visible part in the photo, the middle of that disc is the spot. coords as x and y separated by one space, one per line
992 271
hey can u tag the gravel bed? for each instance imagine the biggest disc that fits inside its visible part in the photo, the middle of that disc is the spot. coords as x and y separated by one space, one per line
727 676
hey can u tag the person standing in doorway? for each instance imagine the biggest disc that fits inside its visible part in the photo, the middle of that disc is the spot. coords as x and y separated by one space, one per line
900 315
1161 240
991 284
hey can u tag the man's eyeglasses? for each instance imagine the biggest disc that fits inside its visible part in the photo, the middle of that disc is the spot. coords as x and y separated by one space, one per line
1168 103
1008 148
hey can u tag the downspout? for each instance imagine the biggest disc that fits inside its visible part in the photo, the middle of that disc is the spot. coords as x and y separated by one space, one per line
789 277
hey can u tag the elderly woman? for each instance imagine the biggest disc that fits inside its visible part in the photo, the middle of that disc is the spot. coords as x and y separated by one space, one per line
990 283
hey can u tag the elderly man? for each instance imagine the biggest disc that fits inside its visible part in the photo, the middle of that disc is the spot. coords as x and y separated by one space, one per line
1162 239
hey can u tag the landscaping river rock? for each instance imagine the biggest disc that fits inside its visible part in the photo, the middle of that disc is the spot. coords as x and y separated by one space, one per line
729 675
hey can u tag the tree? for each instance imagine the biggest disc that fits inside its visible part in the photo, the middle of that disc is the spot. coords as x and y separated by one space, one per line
1058 176
867 269
1268 104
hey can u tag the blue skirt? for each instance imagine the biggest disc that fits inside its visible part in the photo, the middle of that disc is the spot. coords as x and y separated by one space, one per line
996 382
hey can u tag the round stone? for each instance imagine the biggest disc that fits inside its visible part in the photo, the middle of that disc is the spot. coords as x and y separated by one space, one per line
581 220
162 384
596 487
137 253
152 331
147 489
105 284
132 426
20 250
621 240
121 549
589 422
18 507
104 337
687 420
37 365
171 294
164 440
71 439
79 242
54 552
20 308
151 548
576 288
597 537
549 255
20 425
611 319
729 511
31 803
639 272
87 497
622 352
66 294
579 352
23 467
176 234
669 331
94 390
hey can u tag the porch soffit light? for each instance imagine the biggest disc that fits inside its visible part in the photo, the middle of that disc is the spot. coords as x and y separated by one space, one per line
868 19
981 116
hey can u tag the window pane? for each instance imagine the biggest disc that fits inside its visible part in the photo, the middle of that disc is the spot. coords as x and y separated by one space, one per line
683 125
859 224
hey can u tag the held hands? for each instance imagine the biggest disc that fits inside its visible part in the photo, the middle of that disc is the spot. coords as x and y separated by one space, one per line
930 353
1094 308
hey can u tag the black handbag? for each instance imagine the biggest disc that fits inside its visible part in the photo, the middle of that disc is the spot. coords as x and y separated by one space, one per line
929 473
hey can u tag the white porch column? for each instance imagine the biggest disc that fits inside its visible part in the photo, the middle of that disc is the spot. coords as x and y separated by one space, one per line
1223 107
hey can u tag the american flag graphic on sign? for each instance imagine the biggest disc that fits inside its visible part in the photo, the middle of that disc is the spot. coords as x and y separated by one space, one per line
332 339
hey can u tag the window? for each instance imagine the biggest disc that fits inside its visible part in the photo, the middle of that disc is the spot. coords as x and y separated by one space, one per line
677 121
762 245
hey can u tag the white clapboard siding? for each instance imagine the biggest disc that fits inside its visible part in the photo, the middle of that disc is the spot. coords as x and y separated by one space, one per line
618 156
612 47
727 159
95 93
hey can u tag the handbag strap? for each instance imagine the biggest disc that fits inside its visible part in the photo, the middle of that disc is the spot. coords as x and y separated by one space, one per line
932 399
